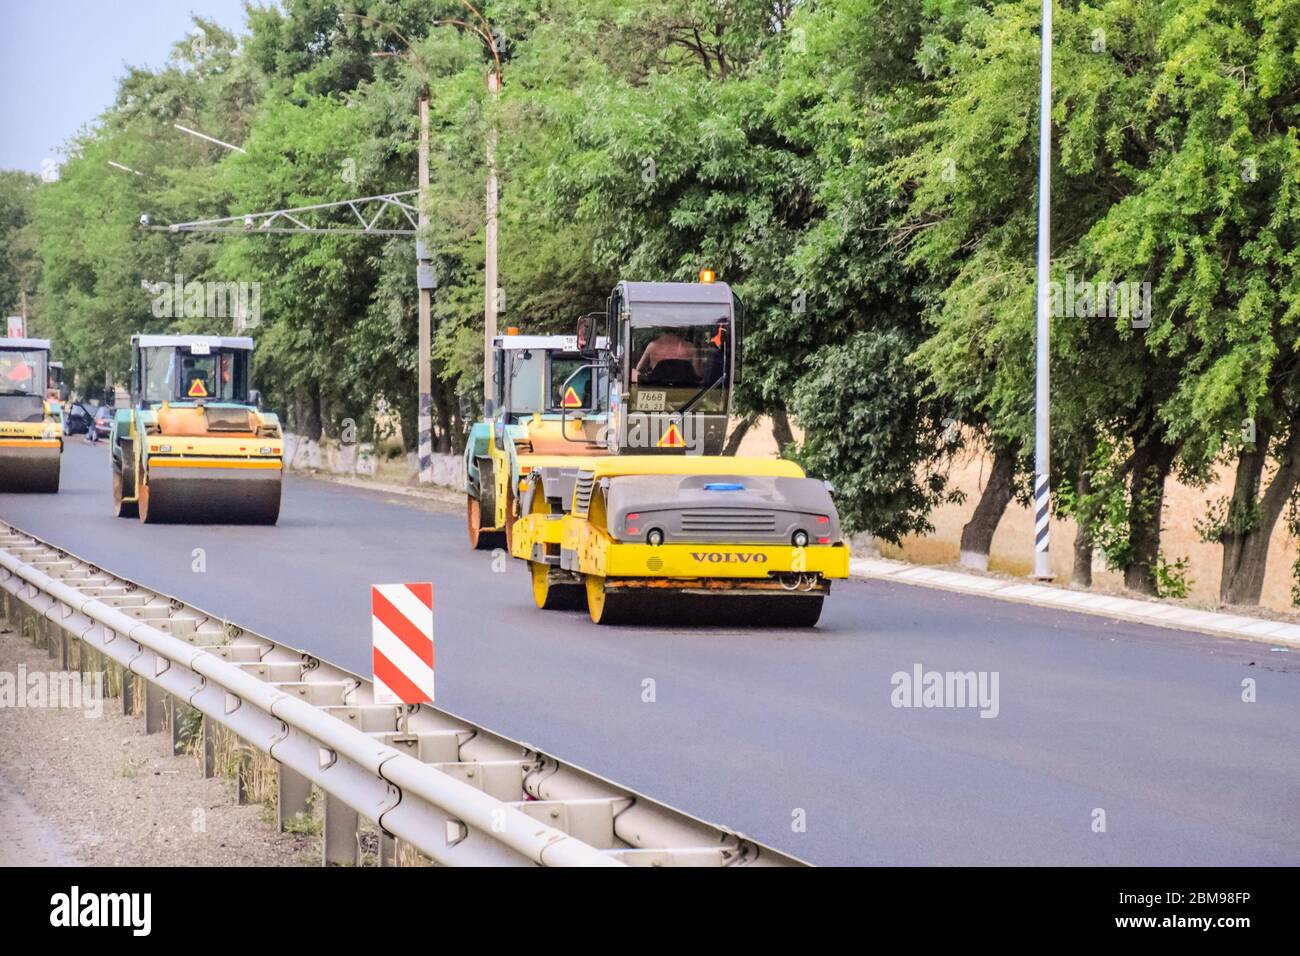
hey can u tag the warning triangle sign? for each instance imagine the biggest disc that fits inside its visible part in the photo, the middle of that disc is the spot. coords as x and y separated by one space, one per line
571 399
197 390
672 438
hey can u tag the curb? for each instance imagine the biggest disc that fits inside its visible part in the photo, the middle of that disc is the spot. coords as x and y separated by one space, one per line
1137 611
431 492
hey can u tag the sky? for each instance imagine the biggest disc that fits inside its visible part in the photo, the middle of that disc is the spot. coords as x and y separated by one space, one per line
61 60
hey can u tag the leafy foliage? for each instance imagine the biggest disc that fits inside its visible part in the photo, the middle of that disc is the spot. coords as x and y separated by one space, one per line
864 173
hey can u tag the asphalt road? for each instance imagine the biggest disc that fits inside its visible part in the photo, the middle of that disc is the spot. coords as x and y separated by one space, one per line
765 730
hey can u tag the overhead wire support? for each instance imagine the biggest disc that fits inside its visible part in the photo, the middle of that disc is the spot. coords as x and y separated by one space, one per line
265 222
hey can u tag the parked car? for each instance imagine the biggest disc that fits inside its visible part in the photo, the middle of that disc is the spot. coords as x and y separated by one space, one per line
76 418
103 421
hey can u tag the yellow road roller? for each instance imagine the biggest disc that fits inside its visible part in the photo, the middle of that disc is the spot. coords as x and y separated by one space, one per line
539 380
687 540
31 431
664 529
195 446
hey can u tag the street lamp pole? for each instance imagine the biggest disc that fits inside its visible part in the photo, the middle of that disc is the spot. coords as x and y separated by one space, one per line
426 282
491 295
1042 393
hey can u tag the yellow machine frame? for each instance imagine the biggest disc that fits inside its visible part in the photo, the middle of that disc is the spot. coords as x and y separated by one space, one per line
605 563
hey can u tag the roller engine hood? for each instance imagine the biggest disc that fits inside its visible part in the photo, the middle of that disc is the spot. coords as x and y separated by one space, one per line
720 508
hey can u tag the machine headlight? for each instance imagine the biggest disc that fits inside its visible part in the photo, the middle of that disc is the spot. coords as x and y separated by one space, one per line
266 450
800 538
164 448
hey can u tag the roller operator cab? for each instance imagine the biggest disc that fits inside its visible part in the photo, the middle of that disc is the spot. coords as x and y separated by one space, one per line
664 529
673 361
549 406
31 423
195 445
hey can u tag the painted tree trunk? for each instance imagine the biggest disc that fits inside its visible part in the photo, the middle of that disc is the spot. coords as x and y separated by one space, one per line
977 534
1246 539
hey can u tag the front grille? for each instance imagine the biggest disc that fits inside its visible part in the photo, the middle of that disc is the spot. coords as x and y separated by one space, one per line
735 520
27 409
582 492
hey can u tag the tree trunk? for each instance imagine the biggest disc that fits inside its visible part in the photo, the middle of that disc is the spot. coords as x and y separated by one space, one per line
977 534
310 422
408 419
1081 575
329 423
738 434
1152 461
781 429
442 402
1245 546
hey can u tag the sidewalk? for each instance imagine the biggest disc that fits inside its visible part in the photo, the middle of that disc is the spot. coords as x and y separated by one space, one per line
1137 610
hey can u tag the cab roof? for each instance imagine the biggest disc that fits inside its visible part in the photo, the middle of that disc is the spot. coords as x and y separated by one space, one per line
616 465
25 344
242 342
705 293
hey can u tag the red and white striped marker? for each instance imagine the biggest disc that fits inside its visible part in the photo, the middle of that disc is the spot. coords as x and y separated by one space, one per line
401 630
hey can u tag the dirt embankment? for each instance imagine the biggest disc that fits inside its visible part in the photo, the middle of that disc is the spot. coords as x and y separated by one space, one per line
96 791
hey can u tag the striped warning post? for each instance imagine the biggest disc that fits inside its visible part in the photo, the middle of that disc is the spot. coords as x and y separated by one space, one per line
401 629
1042 513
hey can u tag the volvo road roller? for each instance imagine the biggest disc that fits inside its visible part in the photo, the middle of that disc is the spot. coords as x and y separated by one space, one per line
664 528
31 429
550 405
195 446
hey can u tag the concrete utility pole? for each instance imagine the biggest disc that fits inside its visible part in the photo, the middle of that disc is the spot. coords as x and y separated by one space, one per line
424 275
491 295
1042 393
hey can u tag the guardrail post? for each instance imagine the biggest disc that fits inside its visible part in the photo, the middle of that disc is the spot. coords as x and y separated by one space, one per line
174 714
339 835
154 699
128 690
243 767
209 747
387 849
293 794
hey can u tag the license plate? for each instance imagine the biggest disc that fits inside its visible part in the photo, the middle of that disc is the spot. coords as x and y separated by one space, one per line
650 401
200 348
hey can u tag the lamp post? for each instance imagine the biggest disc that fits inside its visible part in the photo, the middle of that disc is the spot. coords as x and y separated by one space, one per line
1042 393
491 296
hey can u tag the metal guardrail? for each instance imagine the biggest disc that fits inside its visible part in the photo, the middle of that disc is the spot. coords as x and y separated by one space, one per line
461 795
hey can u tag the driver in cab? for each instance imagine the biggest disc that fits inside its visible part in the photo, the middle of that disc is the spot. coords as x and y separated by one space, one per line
668 346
